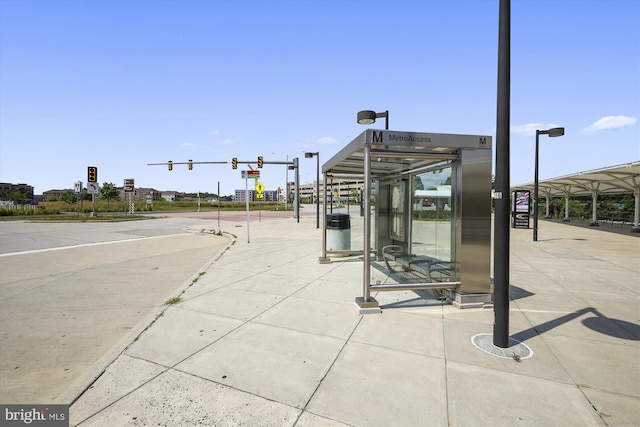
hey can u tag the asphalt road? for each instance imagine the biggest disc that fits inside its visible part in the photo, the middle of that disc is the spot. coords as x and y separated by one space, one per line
73 295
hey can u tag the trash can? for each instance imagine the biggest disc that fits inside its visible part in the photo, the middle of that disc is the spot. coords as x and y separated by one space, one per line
338 232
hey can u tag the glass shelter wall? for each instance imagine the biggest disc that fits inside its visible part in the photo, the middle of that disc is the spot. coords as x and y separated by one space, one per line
431 214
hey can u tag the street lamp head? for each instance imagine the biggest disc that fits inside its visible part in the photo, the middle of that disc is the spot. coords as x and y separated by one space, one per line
366 117
556 132
553 132
309 155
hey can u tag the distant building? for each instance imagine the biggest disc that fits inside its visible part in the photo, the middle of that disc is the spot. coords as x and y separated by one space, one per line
342 191
141 193
171 196
240 196
270 196
50 195
7 189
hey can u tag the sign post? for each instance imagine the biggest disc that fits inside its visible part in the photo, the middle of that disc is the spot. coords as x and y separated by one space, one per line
78 190
259 195
246 198
129 189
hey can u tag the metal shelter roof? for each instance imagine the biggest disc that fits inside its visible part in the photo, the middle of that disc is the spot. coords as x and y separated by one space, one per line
618 179
396 152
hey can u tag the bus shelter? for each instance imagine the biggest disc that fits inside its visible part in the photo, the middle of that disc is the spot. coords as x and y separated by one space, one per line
429 196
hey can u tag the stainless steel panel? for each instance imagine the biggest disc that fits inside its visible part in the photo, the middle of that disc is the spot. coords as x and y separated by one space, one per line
475 227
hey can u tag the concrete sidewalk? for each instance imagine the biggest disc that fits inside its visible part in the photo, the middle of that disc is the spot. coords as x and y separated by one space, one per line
269 337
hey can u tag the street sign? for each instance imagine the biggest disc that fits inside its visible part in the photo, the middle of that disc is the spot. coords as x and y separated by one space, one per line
77 187
128 185
259 196
253 174
259 187
93 188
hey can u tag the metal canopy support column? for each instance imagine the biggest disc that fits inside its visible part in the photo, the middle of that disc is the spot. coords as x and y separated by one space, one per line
594 210
548 199
636 213
366 304
566 207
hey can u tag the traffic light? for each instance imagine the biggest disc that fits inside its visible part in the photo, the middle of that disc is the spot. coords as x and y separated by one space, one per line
260 161
190 164
234 163
170 165
92 174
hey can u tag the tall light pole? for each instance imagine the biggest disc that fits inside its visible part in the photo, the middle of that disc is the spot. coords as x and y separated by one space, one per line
367 117
502 214
310 156
553 132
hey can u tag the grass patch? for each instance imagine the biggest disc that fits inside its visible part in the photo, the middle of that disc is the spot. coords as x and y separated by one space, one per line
202 273
174 300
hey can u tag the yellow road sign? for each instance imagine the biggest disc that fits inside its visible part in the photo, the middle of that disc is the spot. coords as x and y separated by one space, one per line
259 187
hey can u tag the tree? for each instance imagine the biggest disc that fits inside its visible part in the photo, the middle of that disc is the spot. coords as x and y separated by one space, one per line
108 191
355 194
19 197
69 197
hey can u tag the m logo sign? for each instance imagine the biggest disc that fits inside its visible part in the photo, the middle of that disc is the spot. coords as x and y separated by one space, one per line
377 137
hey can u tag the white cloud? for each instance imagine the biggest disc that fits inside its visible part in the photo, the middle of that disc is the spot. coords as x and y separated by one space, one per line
188 144
214 132
327 140
610 122
530 128
227 142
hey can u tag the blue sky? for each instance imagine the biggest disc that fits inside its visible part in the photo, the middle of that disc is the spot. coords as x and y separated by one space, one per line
118 84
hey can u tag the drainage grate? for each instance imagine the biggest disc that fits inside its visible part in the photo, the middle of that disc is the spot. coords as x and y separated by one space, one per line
484 342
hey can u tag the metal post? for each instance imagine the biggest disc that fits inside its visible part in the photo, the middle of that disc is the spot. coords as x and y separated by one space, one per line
331 209
636 212
218 204
366 295
502 219
246 198
318 190
297 195
324 258
286 186
535 191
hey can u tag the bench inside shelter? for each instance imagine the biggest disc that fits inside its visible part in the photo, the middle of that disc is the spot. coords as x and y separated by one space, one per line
427 267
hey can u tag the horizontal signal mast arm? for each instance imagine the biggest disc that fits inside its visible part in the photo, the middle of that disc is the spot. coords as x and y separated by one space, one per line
186 163
222 163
